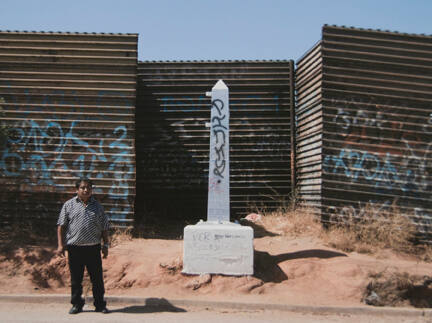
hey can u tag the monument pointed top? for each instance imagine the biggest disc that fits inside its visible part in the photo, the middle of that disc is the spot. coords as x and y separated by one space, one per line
220 85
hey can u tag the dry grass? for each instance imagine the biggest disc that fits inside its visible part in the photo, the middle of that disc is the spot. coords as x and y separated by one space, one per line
120 235
373 231
292 223
370 233
289 219
424 252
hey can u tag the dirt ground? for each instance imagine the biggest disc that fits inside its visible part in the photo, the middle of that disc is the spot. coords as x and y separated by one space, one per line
301 270
19 312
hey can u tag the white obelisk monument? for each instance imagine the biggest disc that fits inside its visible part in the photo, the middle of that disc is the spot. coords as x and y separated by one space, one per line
218 246
218 205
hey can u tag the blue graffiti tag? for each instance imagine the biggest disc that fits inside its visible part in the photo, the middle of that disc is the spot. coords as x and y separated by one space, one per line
30 149
357 165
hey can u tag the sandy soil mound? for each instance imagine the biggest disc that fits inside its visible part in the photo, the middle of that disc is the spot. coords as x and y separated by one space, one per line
301 270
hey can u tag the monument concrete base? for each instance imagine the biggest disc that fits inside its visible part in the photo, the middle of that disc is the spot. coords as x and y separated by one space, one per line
218 248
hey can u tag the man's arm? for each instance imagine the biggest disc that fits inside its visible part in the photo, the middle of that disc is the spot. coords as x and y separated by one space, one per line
60 240
105 246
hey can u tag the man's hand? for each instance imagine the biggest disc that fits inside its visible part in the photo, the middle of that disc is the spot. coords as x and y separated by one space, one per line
60 251
60 241
104 251
105 245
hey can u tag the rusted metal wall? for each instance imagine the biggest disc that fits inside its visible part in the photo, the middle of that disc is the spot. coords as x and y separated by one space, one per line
69 101
173 141
309 128
377 123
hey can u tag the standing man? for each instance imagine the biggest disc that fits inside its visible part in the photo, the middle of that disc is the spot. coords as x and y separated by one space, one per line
81 226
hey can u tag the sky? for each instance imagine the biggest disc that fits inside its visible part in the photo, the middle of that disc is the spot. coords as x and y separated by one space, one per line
217 30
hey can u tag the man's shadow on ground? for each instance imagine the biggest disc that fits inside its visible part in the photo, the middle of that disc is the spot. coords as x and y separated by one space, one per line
152 305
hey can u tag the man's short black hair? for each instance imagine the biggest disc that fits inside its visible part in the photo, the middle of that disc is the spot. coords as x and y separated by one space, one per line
83 179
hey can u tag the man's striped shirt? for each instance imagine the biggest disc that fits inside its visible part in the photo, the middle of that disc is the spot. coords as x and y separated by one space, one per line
83 224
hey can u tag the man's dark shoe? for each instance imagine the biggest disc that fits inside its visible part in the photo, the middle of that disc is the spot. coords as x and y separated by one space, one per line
103 310
75 309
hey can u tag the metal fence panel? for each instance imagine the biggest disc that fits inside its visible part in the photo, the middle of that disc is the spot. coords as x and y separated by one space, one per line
69 101
173 141
309 126
377 123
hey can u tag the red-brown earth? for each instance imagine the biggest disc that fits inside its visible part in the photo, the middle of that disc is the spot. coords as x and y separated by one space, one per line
302 270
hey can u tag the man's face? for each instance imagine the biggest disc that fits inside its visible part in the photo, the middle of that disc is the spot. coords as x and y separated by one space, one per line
84 191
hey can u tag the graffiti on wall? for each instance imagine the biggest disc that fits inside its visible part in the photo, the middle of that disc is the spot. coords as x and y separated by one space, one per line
391 152
383 148
43 152
167 151
375 208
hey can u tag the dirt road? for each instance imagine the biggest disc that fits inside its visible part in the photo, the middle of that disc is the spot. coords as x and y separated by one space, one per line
12 312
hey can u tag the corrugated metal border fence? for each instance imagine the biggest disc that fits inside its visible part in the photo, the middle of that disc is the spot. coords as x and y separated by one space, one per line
309 127
173 141
363 127
69 101
368 95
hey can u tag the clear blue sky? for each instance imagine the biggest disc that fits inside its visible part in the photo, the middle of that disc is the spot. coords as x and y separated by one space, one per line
217 30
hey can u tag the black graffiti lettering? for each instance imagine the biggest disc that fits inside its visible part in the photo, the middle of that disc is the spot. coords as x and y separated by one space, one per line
220 153
220 166
219 132
220 169
219 162
216 133
218 122
219 105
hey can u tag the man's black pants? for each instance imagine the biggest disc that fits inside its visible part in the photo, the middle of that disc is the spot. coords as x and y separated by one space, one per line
90 258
